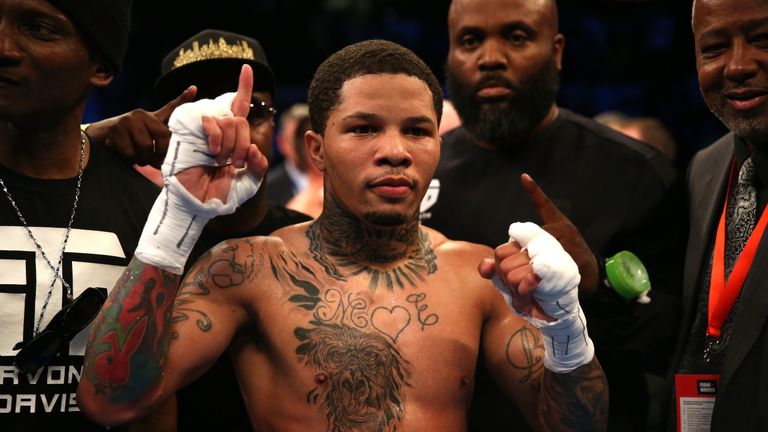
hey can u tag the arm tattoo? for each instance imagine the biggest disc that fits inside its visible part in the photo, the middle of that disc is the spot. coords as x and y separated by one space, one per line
529 342
575 401
233 266
129 341
184 306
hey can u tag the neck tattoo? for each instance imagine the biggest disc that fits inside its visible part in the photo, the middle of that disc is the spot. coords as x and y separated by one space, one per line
57 268
390 256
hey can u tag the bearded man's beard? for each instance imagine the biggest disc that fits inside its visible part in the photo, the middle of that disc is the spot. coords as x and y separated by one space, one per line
506 120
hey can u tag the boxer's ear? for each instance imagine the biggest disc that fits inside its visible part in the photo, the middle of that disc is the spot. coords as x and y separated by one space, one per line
315 149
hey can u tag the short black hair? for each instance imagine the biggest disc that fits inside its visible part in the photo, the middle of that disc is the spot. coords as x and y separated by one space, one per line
364 58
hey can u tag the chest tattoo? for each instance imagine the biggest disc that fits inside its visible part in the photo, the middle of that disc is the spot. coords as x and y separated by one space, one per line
351 344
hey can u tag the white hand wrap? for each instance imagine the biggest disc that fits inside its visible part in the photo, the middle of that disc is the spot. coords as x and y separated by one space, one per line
177 218
567 345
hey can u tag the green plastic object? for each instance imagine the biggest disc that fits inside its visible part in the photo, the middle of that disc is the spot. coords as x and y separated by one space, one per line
627 275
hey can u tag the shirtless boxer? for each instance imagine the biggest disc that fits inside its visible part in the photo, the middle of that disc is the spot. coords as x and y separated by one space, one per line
362 320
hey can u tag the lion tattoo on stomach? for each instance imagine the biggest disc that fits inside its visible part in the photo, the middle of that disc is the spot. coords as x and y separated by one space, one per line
360 376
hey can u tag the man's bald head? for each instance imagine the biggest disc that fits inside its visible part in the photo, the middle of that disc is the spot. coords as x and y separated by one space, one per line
547 7
695 5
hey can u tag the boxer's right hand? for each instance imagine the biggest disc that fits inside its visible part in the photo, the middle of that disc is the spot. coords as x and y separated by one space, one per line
210 157
199 180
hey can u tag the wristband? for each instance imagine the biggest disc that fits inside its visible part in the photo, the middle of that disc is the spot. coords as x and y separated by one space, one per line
567 345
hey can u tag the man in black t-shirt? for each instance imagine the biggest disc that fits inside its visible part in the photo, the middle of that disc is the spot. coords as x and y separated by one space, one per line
70 213
617 194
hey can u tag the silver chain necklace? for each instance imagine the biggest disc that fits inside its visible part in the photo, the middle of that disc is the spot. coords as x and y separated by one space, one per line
56 269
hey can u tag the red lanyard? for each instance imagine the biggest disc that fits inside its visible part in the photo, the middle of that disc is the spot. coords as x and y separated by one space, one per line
722 293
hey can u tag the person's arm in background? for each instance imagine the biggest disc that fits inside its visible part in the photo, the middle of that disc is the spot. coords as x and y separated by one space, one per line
566 233
644 333
643 336
140 137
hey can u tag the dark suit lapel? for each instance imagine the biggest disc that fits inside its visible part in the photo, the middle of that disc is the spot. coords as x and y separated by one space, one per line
751 314
707 180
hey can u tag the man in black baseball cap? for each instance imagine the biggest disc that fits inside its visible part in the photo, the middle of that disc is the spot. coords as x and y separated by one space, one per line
210 61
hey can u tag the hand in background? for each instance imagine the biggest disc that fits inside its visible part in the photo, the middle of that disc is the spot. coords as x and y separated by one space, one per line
140 137
557 224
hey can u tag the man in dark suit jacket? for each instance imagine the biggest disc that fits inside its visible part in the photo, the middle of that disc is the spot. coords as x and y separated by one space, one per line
729 339
289 177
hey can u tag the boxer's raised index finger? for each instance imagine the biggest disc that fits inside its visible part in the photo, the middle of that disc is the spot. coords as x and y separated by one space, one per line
545 208
241 104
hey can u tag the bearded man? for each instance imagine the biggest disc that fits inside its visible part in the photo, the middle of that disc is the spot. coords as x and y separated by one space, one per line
503 68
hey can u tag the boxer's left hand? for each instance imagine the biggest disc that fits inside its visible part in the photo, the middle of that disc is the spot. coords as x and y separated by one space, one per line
538 278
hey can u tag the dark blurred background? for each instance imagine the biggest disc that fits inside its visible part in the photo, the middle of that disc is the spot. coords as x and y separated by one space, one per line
634 56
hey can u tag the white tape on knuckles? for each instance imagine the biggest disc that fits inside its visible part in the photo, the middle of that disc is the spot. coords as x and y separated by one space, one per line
567 343
177 217
557 292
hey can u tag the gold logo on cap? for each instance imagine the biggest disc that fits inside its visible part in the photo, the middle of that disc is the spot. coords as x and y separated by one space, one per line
213 50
